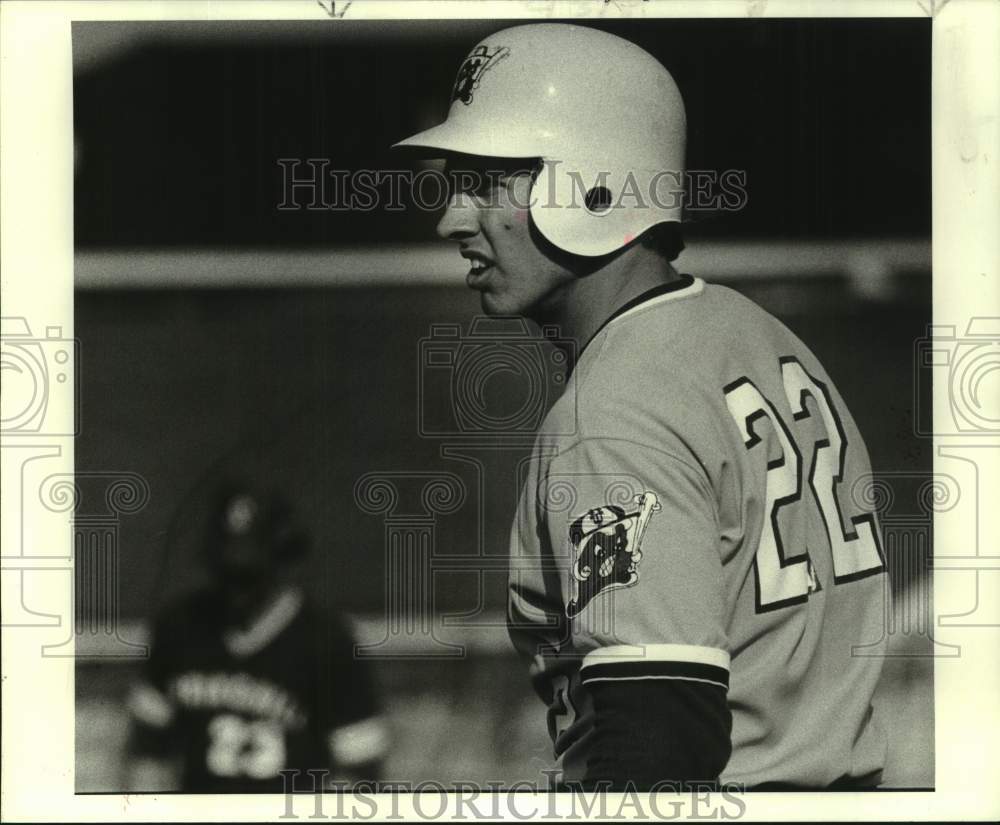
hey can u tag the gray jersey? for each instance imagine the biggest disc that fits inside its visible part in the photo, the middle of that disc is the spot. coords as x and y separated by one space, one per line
695 509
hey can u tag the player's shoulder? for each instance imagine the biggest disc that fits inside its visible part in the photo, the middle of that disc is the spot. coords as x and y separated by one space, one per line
660 368
704 318
664 350
682 342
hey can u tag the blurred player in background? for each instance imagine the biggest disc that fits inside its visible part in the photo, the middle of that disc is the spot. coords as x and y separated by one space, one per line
694 617
246 678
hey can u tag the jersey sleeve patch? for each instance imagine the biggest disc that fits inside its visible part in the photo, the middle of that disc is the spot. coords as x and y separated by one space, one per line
661 661
605 542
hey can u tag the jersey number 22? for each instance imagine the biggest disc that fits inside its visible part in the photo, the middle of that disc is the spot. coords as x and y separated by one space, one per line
784 574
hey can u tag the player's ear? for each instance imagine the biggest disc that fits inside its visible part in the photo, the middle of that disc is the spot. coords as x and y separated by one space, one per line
664 238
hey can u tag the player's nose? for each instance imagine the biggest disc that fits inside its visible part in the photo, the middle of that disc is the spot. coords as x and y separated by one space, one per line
460 219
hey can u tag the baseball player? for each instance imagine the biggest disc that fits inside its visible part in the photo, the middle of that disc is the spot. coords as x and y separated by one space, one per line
694 581
246 679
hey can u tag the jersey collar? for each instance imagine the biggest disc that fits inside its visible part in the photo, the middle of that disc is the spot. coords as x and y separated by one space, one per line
684 286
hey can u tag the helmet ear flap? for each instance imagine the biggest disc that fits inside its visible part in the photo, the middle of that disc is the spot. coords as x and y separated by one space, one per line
592 210
575 207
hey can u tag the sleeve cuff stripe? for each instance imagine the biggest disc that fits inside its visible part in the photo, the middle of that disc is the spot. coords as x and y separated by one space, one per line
359 742
150 706
656 670
627 654
722 685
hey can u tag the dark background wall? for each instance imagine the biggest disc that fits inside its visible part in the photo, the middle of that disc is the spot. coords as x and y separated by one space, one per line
180 132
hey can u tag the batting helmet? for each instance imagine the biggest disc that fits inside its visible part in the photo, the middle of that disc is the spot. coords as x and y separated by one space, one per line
604 116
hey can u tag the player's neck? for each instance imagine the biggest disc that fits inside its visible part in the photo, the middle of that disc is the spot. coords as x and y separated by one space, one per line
590 300
246 614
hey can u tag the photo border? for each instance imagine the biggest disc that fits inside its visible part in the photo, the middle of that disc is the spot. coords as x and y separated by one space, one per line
36 136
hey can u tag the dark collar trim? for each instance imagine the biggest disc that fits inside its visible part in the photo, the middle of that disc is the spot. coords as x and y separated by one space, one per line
683 283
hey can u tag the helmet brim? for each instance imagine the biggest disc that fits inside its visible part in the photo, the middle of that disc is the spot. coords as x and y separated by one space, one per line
450 139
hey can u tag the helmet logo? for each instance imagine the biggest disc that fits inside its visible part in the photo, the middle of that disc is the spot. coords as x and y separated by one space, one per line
472 70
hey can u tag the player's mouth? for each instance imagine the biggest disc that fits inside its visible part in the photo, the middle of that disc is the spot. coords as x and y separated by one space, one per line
479 271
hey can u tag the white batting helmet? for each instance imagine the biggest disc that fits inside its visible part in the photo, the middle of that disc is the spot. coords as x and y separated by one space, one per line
603 114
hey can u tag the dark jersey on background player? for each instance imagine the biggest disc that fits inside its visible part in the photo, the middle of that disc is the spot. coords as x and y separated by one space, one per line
246 678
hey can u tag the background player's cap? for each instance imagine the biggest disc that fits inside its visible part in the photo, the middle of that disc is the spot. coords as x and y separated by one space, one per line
604 115
241 515
250 527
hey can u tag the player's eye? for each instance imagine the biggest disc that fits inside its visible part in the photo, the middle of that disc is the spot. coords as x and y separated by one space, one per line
473 183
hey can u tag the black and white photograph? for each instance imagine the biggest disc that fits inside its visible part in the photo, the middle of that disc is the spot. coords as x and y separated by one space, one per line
548 414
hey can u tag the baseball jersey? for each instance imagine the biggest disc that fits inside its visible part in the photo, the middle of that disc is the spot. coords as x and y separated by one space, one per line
288 694
696 508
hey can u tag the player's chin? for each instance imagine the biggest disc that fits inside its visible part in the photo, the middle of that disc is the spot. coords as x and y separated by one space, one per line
492 304
503 303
